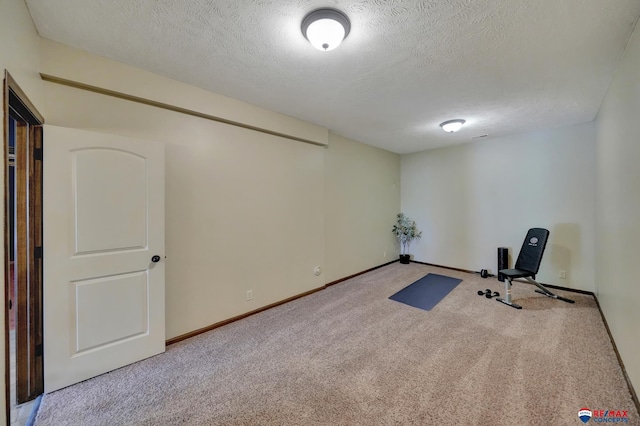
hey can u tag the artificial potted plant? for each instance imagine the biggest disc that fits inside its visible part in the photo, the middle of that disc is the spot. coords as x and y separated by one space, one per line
405 231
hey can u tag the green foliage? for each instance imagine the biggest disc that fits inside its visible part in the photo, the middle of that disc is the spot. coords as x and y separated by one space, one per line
405 231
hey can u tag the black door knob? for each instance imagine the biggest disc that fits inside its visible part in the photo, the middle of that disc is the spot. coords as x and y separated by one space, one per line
155 259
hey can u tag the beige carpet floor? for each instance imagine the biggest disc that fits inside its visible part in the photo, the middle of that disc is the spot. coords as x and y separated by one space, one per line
350 356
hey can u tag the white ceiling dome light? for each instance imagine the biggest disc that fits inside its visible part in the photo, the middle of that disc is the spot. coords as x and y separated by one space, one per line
326 28
451 126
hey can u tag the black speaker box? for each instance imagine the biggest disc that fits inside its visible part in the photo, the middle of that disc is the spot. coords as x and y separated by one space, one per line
503 261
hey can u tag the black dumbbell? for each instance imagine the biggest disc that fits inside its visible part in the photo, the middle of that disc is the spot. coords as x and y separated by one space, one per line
488 294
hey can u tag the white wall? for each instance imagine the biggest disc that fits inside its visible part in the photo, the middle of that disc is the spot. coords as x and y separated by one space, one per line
471 199
362 198
618 208
19 54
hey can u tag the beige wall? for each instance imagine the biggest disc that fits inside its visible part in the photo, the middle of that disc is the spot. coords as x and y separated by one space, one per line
362 198
19 55
471 199
19 52
618 208
303 205
61 61
244 210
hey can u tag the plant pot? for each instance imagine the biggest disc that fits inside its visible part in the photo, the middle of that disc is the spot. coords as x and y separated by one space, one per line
405 258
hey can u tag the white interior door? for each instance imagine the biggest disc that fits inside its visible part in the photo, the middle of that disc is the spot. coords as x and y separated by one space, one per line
103 221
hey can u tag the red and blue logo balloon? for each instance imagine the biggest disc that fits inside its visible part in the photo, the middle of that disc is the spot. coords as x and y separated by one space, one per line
585 414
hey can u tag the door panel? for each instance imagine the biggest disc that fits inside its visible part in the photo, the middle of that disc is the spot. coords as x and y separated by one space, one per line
96 187
23 346
36 385
103 222
93 301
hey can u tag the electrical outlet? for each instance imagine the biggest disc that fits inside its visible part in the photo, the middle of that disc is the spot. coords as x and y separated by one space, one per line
249 294
562 274
385 254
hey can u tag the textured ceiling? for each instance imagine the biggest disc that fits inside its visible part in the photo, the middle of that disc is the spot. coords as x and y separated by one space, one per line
506 66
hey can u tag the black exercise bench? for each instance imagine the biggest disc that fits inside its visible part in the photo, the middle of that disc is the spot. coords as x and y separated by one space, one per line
527 266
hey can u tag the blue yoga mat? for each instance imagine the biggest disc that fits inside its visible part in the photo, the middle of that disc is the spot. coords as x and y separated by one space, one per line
427 291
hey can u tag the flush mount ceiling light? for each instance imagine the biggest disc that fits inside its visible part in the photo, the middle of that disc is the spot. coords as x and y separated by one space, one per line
452 125
326 28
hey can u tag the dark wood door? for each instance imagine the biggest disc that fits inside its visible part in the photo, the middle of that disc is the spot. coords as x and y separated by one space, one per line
24 296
